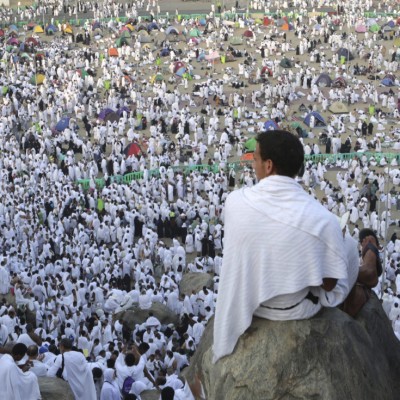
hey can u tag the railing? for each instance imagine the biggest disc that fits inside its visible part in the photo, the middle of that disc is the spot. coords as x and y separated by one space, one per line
237 166
227 16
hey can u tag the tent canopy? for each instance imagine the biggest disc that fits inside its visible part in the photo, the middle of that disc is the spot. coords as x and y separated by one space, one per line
104 112
342 52
62 124
248 33
172 30
38 29
319 120
270 125
250 144
324 80
286 63
338 107
387 81
113 52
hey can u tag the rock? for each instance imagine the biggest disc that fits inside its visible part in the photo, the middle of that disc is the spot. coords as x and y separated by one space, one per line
195 281
55 388
329 357
150 395
135 315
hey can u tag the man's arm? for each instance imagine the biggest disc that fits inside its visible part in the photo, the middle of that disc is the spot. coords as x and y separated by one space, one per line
52 371
368 274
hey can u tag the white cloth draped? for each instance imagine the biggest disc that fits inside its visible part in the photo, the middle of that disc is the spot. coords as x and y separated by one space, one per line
15 384
278 241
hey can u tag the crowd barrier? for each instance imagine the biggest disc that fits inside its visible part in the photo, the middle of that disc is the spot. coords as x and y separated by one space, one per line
253 14
237 166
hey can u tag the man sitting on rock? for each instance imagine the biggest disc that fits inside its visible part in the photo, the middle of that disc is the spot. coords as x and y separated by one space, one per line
368 273
281 246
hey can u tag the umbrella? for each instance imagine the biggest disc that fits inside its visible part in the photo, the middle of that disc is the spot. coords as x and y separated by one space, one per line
68 30
250 144
130 27
62 124
133 149
96 24
248 34
177 65
180 71
13 28
31 25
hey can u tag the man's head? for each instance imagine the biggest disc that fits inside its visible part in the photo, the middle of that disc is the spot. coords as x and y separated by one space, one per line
18 352
278 153
168 393
367 232
33 351
65 345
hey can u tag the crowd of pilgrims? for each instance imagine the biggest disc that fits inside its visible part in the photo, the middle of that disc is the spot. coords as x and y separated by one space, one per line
74 258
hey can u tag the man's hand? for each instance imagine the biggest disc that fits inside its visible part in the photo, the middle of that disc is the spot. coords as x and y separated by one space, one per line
328 284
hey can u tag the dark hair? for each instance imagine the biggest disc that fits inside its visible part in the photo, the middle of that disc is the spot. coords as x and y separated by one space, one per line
367 232
130 360
283 149
32 351
66 343
19 350
97 373
168 393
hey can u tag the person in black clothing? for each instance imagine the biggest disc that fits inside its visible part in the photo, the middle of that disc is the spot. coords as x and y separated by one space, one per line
370 128
364 128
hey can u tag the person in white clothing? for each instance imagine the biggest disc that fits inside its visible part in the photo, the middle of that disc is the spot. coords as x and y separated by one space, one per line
296 246
75 370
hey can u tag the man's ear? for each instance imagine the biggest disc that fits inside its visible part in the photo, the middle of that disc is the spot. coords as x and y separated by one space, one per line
269 167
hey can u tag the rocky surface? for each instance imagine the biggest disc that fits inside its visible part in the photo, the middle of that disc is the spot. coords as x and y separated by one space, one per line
195 281
55 389
329 357
135 315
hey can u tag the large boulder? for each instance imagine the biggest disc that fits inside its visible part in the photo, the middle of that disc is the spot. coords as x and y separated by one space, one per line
329 357
55 388
135 315
194 281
